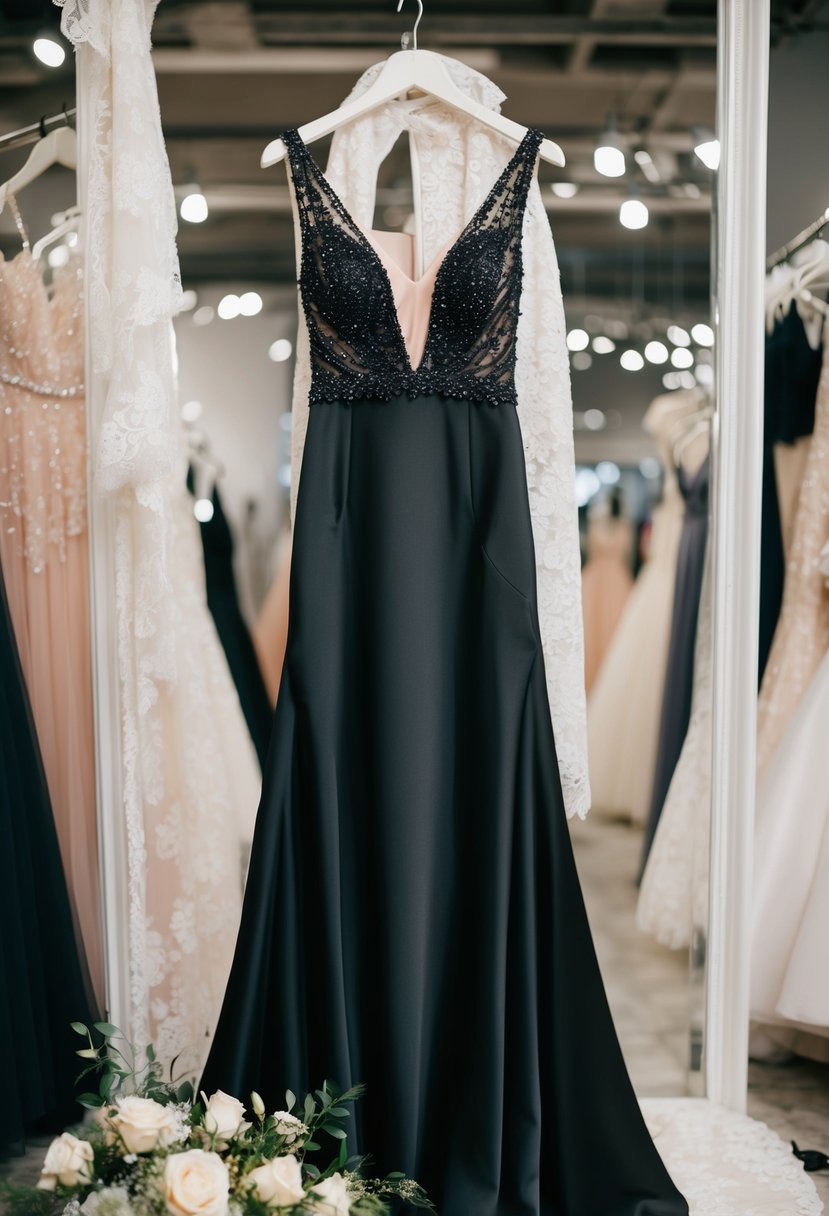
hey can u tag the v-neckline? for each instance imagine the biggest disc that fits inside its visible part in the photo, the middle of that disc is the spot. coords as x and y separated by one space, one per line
380 264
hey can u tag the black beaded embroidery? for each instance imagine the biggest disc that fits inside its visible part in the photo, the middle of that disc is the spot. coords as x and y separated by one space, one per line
357 346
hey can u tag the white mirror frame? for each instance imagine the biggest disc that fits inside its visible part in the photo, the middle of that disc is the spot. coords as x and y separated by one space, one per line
742 117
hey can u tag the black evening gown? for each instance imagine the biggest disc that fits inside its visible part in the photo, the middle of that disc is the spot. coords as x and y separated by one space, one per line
41 983
413 918
792 372
679 672
231 626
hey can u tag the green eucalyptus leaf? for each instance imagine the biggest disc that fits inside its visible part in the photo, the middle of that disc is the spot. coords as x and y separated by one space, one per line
290 1100
311 1146
90 1101
340 1112
87 1053
333 1130
106 1029
310 1107
79 1028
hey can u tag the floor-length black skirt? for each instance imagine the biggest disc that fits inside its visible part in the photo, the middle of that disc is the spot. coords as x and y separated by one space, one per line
413 918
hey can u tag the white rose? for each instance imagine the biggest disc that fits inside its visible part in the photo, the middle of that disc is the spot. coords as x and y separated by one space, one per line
330 1197
143 1124
278 1182
112 1201
196 1183
223 1116
67 1162
293 1129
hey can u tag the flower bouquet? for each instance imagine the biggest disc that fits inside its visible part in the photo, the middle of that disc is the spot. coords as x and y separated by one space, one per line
149 1148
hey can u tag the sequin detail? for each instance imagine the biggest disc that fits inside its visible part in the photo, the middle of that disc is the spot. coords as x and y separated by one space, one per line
357 347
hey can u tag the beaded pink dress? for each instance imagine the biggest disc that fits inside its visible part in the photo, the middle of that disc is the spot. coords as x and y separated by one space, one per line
43 550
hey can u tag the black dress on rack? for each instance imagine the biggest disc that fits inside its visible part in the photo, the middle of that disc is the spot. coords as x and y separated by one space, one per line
413 918
792 374
231 626
679 670
41 984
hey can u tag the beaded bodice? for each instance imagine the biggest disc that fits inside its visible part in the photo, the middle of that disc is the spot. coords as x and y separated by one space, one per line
357 347
43 474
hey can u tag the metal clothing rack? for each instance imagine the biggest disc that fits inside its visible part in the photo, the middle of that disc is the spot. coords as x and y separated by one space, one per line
36 130
802 239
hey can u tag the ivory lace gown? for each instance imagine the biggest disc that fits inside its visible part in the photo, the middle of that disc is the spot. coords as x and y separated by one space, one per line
43 549
413 918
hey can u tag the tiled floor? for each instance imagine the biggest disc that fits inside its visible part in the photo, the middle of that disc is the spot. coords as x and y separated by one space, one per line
648 989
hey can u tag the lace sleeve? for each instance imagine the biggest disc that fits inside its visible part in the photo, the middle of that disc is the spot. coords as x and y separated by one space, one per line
542 378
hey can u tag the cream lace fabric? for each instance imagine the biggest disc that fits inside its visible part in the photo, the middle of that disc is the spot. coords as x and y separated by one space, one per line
189 773
726 1164
802 635
454 163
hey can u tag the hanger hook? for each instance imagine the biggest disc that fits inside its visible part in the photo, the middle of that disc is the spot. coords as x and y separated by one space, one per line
417 22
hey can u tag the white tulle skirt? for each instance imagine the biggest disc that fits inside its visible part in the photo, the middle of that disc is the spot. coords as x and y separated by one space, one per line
789 976
624 706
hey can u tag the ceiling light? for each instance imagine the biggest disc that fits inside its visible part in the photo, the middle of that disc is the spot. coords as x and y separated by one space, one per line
594 420
603 345
608 472
229 307
671 380
204 315
644 160
280 350
577 339
656 352
633 214
250 304
49 51
565 189
703 334
617 329
58 256
203 510
188 300
682 357
191 411
631 361
708 151
704 373
587 484
678 336
193 207
582 361
650 467
686 380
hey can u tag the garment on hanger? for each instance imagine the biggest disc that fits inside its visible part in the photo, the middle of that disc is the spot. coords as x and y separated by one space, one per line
792 371
789 980
454 161
623 709
676 700
223 602
606 583
413 895
673 896
44 552
802 635
41 983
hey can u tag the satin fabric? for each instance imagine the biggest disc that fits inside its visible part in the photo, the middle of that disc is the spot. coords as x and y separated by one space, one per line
413 918
41 980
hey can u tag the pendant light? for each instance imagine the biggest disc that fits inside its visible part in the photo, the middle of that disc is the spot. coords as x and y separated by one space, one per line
609 156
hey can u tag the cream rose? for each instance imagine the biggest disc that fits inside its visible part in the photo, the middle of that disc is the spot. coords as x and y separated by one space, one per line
67 1162
143 1124
330 1197
293 1129
196 1183
223 1116
278 1182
